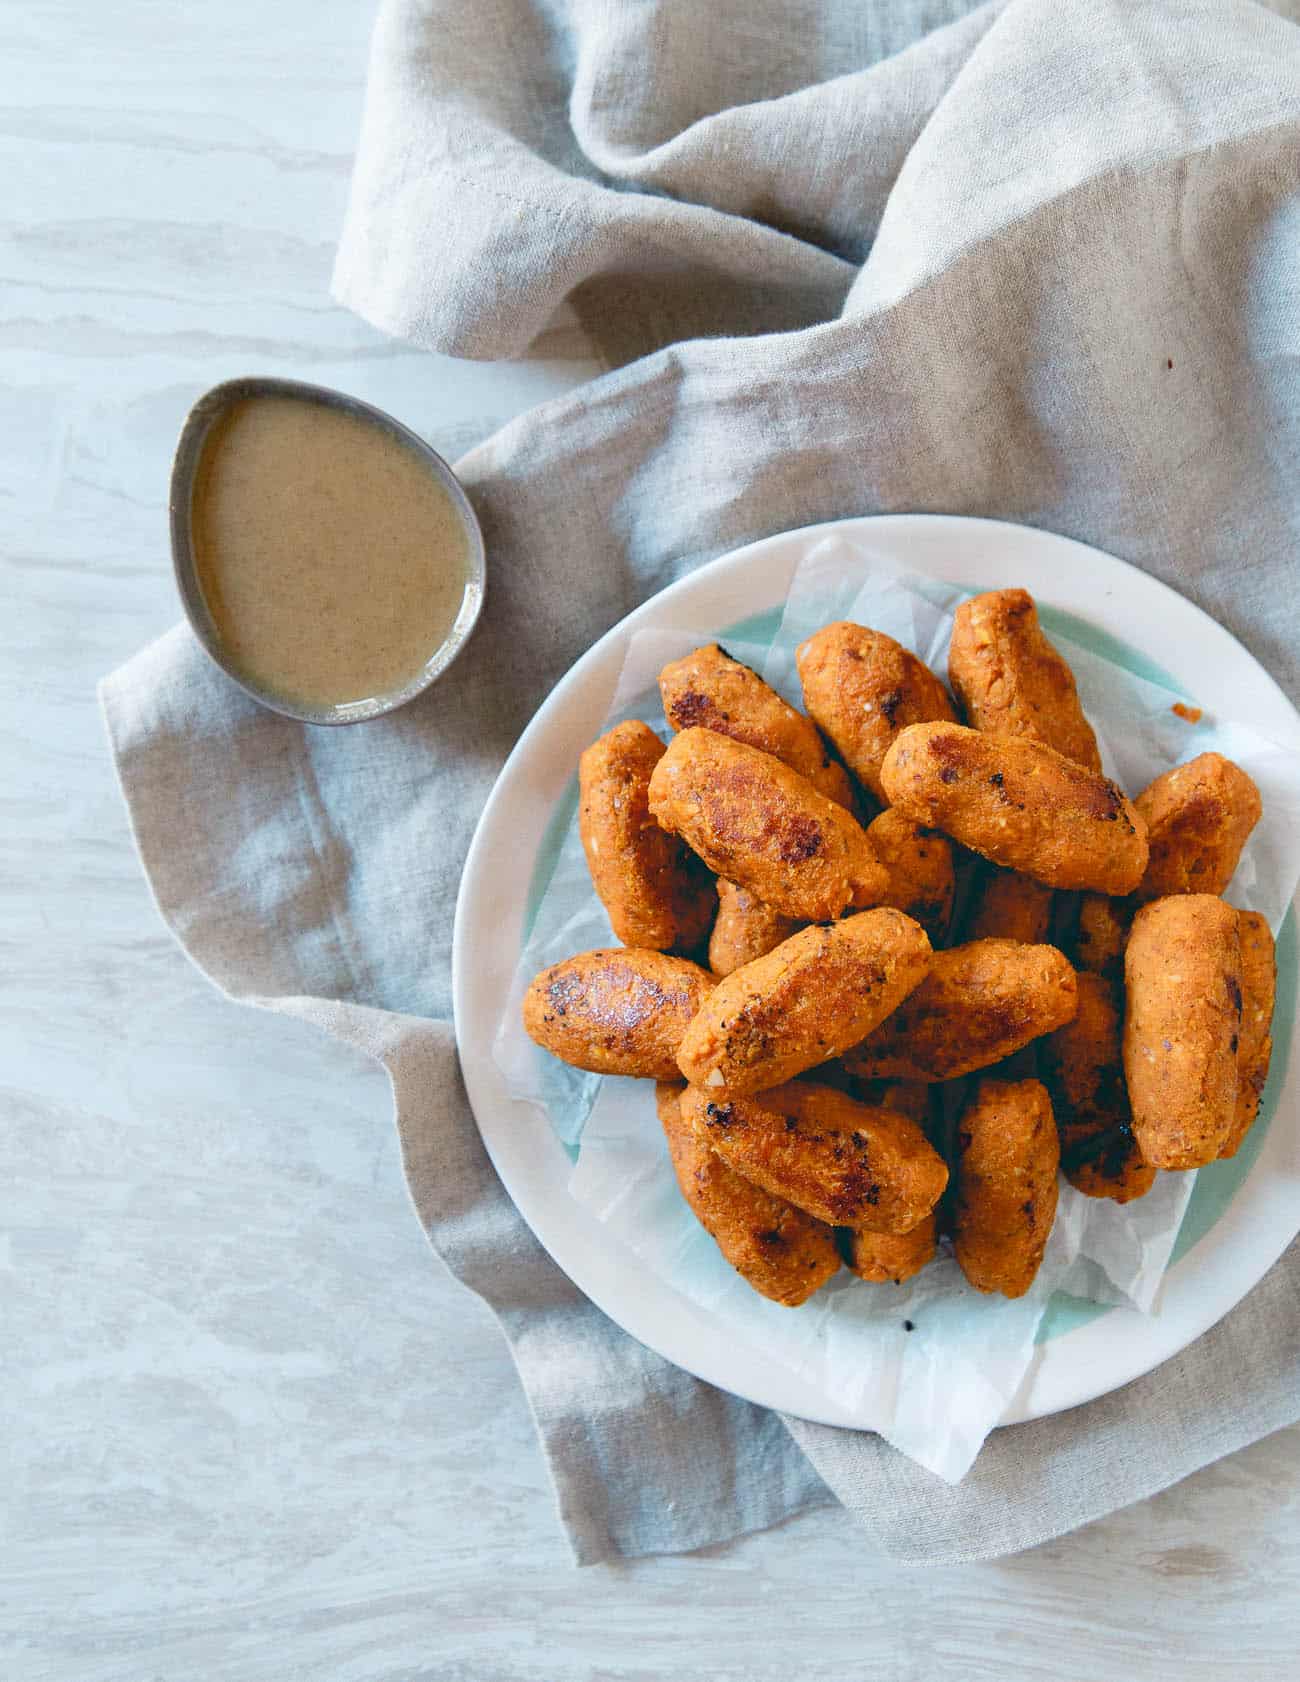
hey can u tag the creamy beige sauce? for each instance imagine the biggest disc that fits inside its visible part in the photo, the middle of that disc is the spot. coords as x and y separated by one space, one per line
331 560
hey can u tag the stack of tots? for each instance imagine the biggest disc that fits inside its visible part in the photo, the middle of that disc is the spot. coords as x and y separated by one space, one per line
818 1025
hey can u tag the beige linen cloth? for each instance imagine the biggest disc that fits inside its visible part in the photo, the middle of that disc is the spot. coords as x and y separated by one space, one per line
1035 260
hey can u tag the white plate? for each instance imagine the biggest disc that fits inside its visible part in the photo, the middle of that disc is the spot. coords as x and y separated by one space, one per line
1249 1224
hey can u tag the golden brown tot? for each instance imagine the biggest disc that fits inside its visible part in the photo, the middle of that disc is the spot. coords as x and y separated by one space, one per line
1020 804
1084 1072
890 1258
783 1253
980 1003
1006 1185
818 993
1182 977
710 689
862 688
1011 681
845 1163
919 862
1198 817
761 825
744 929
655 891
616 1011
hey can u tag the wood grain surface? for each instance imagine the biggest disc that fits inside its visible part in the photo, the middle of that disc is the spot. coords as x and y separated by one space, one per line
252 1431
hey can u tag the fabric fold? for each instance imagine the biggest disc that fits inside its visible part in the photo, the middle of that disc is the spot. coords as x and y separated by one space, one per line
1076 308
672 171
1237 1383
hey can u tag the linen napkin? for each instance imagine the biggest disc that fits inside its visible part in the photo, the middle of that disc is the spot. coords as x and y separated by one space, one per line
1034 262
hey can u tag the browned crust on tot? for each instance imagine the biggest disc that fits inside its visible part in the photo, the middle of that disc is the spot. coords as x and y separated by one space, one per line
1009 906
890 1258
980 1003
709 689
919 862
1105 1162
1198 816
862 688
744 929
1255 1045
1020 804
761 825
783 1253
818 993
617 1010
841 1161
653 888
1084 1072
1082 1059
1011 681
1182 976
1008 1156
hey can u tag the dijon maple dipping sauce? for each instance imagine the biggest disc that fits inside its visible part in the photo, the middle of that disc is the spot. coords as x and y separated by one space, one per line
332 561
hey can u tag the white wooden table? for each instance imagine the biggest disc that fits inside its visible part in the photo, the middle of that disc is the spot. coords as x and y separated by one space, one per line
252 1431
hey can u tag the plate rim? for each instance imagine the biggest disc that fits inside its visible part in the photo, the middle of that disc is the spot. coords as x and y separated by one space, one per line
1047 1388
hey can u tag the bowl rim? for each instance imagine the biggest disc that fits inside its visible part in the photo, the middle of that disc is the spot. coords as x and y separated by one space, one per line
203 415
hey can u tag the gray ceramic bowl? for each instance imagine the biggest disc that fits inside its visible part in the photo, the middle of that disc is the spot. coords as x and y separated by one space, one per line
198 423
